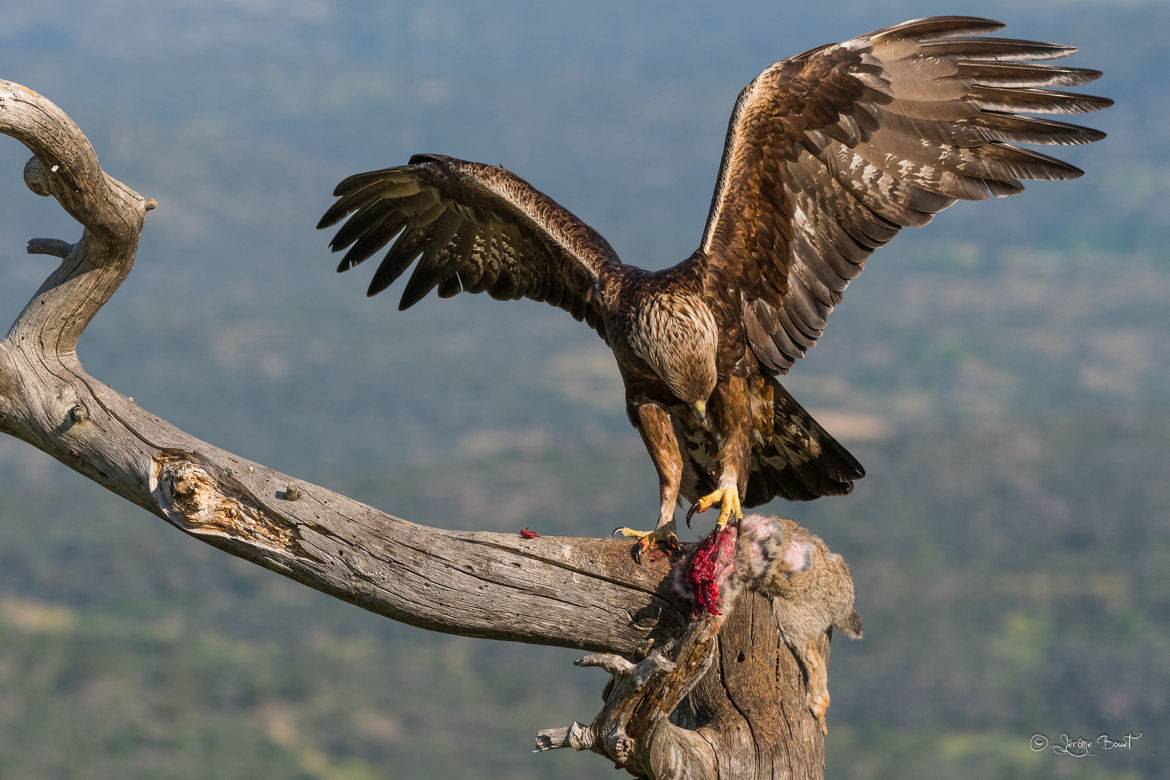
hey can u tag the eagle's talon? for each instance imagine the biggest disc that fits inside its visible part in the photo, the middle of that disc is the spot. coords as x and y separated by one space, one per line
663 534
729 506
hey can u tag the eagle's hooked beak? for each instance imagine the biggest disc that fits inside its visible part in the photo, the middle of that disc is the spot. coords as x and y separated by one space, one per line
700 408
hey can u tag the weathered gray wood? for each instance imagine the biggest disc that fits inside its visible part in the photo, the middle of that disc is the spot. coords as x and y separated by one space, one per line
584 593
725 701
740 719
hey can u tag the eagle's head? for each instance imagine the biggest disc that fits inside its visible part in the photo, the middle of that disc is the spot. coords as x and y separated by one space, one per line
676 335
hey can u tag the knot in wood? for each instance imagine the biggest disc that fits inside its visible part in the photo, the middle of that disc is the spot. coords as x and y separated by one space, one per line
196 501
623 749
78 413
35 178
185 496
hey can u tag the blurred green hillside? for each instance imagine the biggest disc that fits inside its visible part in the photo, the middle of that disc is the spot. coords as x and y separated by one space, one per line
1002 375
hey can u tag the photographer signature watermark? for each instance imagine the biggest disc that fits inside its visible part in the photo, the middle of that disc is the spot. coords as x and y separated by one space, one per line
1080 747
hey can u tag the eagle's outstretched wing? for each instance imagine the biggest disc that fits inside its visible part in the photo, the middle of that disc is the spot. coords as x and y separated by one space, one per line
830 153
478 228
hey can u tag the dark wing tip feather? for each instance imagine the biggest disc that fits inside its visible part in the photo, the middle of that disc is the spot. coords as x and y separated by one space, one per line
1001 126
329 219
385 276
1019 74
415 292
426 277
407 247
387 273
335 213
995 49
358 181
932 27
431 157
1031 100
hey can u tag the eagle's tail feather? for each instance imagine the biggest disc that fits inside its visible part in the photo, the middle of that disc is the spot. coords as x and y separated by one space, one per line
802 461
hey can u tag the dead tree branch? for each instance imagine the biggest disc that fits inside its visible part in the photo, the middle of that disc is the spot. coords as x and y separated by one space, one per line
715 705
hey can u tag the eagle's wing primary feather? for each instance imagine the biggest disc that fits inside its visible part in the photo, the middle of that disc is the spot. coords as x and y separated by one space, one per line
830 153
477 228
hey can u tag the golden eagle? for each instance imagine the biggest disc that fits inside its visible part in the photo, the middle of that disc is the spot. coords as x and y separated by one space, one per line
828 154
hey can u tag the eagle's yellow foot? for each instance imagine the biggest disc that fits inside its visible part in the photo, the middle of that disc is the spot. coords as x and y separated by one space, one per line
647 539
727 498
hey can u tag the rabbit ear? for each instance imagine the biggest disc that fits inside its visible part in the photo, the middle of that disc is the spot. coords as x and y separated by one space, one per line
851 625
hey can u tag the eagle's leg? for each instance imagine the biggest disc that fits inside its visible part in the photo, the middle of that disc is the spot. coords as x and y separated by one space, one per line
653 423
731 414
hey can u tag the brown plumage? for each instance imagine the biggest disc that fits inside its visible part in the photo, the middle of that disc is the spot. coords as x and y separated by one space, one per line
828 155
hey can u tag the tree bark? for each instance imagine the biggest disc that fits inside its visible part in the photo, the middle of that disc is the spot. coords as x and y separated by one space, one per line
705 698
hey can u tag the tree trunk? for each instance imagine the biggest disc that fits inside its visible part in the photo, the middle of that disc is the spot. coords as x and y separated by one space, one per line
710 698
752 701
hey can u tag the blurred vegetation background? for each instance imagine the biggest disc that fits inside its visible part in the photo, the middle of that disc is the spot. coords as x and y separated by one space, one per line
1001 374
